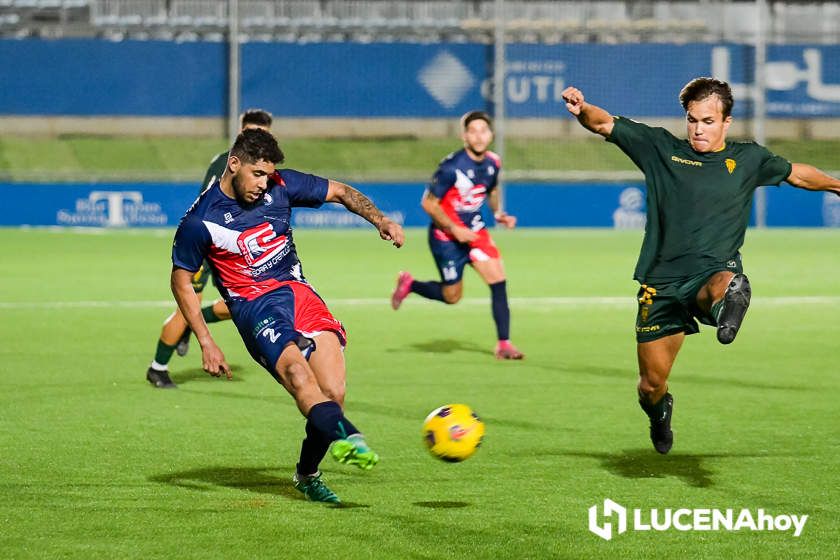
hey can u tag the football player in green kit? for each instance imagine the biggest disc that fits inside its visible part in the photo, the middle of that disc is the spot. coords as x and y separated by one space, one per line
175 332
699 196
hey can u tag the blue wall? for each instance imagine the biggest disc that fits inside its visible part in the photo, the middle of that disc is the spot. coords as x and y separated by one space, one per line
570 205
155 78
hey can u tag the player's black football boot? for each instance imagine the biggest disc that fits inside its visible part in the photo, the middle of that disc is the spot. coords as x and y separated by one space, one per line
660 428
736 300
160 379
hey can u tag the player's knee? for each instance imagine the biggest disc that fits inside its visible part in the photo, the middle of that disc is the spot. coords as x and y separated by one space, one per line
221 310
299 378
651 385
451 298
452 294
335 392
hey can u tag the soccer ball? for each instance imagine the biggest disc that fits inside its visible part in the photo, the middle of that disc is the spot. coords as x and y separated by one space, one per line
453 432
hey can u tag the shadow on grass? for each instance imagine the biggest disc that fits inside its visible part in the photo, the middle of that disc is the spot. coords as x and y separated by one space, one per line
260 480
442 505
686 377
199 375
646 463
445 346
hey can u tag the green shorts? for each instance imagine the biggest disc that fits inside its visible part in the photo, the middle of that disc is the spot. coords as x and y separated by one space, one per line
669 308
200 278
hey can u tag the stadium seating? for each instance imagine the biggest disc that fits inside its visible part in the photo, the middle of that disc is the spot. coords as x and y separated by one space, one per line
549 21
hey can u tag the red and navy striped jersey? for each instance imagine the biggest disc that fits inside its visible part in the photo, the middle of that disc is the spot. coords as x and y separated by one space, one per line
462 184
250 248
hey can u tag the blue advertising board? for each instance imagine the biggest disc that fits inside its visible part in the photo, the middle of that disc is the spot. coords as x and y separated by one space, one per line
84 77
611 205
88 77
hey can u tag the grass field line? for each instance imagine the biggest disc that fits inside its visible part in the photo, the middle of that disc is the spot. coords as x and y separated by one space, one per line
541 302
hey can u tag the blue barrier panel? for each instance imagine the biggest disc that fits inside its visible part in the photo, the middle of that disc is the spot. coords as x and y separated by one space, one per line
88 77
634 80
610 205
364 80
163 204
585 205
156 78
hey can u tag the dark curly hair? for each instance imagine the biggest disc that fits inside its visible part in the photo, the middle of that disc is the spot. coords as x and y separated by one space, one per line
256 144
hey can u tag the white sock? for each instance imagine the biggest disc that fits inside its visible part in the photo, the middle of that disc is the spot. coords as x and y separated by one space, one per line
159 367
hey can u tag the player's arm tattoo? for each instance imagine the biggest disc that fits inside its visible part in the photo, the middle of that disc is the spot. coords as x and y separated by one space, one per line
359 204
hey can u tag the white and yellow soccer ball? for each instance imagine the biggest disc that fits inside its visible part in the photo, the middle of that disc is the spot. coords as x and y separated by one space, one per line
453 432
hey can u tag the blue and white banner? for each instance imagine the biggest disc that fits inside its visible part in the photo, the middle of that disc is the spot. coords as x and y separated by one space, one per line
619 206
88 77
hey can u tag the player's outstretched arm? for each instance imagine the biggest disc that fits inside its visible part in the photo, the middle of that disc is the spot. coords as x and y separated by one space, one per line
359 204
213 360
809 177
431 205
500 215
591 116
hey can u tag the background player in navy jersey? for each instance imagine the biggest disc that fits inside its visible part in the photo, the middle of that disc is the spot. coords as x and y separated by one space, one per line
175 333
458 235
241 225
699 195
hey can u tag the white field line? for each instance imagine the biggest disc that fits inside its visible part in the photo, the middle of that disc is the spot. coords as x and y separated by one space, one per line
532 302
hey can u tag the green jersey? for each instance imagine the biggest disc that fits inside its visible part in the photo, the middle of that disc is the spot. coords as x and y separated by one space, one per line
698 204
217 167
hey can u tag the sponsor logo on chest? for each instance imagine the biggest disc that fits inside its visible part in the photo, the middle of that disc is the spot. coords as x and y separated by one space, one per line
471 195
260 244
683 161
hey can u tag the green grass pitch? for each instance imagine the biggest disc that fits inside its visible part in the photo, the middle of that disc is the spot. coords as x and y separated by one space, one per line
94 463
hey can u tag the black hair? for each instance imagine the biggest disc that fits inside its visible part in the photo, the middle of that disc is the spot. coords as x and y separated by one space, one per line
256 117
255 144
475 116
699 89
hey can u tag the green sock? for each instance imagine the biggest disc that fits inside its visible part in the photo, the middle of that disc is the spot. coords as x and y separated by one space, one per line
164 352
717 309
209 316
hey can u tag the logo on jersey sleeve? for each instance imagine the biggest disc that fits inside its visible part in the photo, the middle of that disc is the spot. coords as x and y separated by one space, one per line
260 244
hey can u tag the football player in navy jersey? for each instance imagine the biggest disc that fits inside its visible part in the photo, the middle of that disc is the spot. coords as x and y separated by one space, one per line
242 226
175 334
458 235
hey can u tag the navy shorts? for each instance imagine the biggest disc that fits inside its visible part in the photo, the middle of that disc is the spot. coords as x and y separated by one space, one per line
270 322
451 256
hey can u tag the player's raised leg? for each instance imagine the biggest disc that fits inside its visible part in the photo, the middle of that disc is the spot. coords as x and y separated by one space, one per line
726 297
492 272
327 363
656 358
733 308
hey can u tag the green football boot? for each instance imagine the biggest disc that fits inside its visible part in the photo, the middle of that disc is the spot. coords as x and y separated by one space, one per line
354 451
314 489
